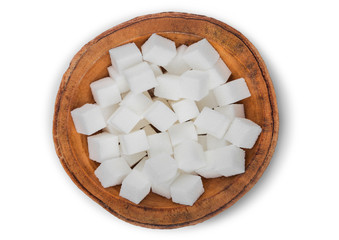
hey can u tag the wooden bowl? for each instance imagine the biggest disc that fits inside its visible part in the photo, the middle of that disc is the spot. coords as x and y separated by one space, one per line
90 64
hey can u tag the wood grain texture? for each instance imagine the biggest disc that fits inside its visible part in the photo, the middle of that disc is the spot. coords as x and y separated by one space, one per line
90 64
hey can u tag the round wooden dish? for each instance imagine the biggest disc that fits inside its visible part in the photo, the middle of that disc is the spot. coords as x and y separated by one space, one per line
90 64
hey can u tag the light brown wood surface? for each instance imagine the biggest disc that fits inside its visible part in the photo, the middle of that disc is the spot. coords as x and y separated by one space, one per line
90 64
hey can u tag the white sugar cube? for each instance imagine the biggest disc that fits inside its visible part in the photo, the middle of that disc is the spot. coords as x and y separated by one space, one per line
119 78
134 142
164 188
194 84
182 132
103 146
125 56
178 66
108 111
88 119
229 160
208 101
201 55
169 87
209 170
140 77
160 116
136 102
156 69
111 172
185 110
135 187
149 130
231 92
202 140
140 165
213 122
134 158
160 168
213 142
105 92
164 101
190 156
123 119
159 143
186 189
218 74
158 50
232 110
243 133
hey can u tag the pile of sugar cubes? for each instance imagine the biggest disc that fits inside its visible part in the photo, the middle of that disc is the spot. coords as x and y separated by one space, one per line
166 117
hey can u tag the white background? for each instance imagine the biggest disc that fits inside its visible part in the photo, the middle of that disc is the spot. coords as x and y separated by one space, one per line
297 195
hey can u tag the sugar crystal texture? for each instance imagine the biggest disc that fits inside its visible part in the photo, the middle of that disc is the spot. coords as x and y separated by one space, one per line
158 50
135 187
231 92
140 77
218 74
123 119
103 146
213 122
229 160
88 119
186 189
243 133
136 102
169 87
119 78
190 156
105 92
194 84
201 55
208 101
232 110
125 56
160 168
134 142
160 116
111 172
185 109
178 66
181 132
159 143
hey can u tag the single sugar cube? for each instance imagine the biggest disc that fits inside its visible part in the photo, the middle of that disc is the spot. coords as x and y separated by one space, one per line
159 143
140 77
156 69
243 133
209 170
185 110
108 111
202 140
134 158
136 102
164 188
186 189
231 92
149 130
213 122
169 87
218 74
232 110
229 160
111 172
182 132
103 146
190 156
194 84
88 119
158 50
213 142
208 101
178 66
160 116
105 92
160 168
125 56
134 142
119 78
123 119
135 187
201 55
